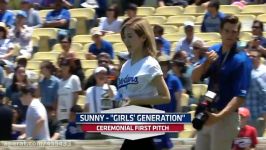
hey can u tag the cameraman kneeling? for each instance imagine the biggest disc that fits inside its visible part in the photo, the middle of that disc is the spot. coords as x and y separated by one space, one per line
229 69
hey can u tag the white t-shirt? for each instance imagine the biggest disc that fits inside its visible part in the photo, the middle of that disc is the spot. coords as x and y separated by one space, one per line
114 26
65 96
100 92
34 112
135 80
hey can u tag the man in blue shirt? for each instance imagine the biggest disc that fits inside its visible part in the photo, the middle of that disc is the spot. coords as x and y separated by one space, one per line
258 42
6 16
213 18
166 45
229 70
59 17
99 46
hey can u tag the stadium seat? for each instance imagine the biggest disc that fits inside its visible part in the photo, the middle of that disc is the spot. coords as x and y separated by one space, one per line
83 39
199 90
74 46
262 18
179 20
186 134
246 21
73 26
245 36
52 56
197 29
208 36
86 47
184 100
33 65
89 72
119 47
35 43
173 37
113 38
229 9
81 101
170 29
80 55
83 15
43 13
156 19
194 10
254 9
89 64
169 11
48 37
199 20
145 11
264 34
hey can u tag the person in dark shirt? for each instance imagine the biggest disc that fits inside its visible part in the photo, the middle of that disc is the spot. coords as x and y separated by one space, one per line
6 116
73 130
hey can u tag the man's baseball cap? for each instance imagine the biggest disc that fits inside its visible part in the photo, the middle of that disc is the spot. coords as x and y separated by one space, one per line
244 112
188 24
22 14
100 69
96 32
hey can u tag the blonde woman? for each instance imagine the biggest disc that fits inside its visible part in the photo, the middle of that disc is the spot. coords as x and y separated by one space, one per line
141 79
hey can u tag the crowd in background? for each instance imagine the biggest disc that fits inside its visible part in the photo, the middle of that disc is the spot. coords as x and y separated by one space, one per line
61 84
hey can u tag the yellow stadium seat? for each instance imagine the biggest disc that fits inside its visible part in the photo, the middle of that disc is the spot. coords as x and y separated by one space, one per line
173 37
74 46
199 90
169 11
86 47
81 100
262 18
254 9
89 64
196 29
145 11
89 72
170 29
194 10
83 39
35 41
33 65
83 15
179 20
80 55
245 36
186 134
119 47
173 47
208 36
43 13
52 56
156 19
199 20
264 34
113 38
246 21
48 37
229 9
73 26
184 100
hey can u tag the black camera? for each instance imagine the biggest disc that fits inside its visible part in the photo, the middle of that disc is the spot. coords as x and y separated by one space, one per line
201 115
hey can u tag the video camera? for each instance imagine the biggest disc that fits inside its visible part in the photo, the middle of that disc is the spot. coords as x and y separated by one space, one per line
201 115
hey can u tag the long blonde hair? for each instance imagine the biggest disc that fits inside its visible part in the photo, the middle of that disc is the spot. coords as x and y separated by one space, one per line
142 28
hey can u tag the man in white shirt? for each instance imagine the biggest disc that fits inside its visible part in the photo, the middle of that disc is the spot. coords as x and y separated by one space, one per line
36 126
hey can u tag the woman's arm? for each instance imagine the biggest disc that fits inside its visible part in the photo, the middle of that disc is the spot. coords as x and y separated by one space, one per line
162 97
9 54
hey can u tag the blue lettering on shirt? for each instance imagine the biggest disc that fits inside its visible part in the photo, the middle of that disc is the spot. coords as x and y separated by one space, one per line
122 82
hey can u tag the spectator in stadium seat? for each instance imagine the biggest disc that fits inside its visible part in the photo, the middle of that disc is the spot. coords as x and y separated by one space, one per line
183 3
213 18
110 23
158 32
49 85
21 34
54 125
256 98
131 10
6 16
99 46
33 19
73 130
186 42
198 52
36 127
12 92
95 95
247 136
67 53
59 17
6 116
69 88
6 46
